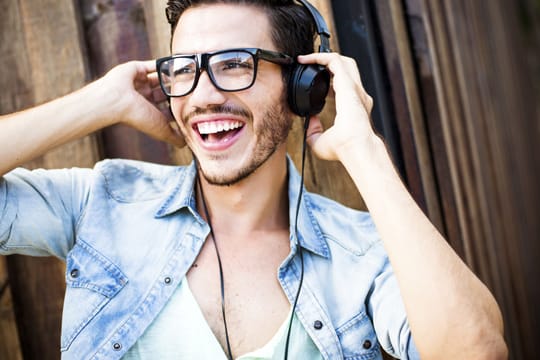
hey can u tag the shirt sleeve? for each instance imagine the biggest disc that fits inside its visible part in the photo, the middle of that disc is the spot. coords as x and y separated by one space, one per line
387 310
39 210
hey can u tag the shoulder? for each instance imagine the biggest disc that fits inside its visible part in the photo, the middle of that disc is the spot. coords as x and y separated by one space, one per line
131 180
351 229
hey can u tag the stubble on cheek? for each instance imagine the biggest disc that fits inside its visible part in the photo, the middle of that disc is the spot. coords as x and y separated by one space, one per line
271 133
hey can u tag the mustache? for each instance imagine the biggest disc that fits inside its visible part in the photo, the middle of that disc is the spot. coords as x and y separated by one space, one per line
218 109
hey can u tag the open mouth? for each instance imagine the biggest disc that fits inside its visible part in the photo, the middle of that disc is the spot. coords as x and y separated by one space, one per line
218 131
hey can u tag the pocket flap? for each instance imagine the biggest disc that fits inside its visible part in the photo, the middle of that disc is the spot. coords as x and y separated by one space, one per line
86 268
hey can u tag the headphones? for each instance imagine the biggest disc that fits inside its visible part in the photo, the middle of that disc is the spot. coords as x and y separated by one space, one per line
309 84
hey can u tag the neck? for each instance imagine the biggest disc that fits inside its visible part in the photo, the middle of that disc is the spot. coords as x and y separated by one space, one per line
256 203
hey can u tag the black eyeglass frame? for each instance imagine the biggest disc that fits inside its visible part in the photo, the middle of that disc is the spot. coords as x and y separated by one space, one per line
201 63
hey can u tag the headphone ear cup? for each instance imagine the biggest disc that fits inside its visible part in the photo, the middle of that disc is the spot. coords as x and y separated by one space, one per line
308 87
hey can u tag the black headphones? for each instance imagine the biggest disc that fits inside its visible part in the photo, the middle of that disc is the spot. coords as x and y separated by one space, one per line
309 84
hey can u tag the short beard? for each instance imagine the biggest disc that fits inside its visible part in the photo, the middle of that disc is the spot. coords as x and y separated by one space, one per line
272 133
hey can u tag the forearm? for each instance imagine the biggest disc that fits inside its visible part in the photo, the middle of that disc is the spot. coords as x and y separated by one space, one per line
30 133
451 313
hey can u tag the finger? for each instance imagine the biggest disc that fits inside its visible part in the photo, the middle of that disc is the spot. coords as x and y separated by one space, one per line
143 69
146 80
147 66
158 95
344 69
320 145
345 75
153 79
336 63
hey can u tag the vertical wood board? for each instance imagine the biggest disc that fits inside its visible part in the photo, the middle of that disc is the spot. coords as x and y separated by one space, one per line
46 60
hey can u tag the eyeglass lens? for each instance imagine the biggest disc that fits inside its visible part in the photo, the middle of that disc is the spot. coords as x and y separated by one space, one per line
229 71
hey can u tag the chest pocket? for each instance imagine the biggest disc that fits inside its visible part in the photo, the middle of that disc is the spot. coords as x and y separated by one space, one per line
358 339
91 282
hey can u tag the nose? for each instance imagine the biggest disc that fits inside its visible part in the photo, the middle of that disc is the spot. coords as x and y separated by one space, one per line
206 93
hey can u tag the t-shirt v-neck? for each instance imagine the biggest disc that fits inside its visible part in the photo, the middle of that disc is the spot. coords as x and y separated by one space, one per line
181 332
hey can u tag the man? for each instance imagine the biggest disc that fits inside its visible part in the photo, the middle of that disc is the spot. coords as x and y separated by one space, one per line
174 262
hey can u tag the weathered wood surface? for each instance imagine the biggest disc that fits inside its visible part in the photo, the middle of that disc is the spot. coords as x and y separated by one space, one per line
115 32
42 59
410 118
10 348
483 59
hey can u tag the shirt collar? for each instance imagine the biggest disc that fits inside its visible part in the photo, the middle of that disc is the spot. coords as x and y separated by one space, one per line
182 195
310 235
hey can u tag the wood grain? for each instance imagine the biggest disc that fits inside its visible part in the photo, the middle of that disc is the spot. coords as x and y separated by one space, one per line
115 32
488 113
44 60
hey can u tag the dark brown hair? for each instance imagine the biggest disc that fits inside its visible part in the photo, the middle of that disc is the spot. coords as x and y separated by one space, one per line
292 27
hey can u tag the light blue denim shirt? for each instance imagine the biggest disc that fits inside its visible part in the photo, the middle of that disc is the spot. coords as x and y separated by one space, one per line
129 231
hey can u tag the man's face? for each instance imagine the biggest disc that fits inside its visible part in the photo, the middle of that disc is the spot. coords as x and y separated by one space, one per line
257 119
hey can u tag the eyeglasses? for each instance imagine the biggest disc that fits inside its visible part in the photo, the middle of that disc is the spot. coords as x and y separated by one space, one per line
229 70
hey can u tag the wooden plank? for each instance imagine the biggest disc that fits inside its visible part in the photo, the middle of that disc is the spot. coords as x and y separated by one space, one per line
45 61
9 337
9 341
410 118
116 32
486 98
420 47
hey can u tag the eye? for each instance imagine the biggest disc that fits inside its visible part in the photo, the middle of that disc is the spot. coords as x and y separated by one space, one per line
238 63
184 70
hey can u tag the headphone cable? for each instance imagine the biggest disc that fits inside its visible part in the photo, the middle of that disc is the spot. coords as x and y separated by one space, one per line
221 277
299 247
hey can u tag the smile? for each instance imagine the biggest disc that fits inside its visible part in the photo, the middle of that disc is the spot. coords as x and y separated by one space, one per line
218 131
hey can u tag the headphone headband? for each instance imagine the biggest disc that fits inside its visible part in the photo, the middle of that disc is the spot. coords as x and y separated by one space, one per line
320 24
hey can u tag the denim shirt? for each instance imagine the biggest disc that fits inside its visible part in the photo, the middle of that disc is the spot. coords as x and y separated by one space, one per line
129 231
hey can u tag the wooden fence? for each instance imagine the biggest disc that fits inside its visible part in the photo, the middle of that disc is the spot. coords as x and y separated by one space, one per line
463 93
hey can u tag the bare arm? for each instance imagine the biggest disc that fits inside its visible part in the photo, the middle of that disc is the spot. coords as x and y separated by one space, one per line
451 313
127 94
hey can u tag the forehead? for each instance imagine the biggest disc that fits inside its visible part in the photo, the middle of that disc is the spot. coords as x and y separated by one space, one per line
206 28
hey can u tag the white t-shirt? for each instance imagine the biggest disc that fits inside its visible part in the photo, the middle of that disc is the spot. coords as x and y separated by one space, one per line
181 332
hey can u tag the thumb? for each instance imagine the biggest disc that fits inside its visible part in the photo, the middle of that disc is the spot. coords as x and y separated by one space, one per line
317 140
314 130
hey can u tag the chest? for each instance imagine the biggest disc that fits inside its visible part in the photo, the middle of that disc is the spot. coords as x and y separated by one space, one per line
254 303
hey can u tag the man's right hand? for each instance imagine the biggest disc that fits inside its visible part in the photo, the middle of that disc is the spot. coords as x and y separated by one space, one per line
140 102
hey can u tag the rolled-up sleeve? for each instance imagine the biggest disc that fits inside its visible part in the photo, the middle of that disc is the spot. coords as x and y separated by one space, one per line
389 317
39 210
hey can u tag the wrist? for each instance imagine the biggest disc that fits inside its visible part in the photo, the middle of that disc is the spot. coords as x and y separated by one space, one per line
361 150
104 103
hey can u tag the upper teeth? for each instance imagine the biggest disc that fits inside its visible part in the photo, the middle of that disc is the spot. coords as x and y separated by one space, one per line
206 128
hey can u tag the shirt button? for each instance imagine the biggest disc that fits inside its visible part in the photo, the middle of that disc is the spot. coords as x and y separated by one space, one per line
74 273
167 280
318 324
117 346
367 344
